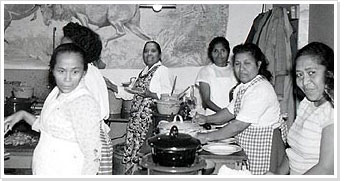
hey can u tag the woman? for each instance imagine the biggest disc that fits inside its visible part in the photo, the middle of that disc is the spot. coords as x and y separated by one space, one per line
216 80
152 81
253 112
311 137
95 82
69 123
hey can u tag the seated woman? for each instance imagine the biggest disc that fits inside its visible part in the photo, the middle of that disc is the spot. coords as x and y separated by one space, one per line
151 82
253 112
311 137
69 123
217 79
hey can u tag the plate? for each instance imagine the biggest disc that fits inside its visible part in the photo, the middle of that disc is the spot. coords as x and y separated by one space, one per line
132 91
222 149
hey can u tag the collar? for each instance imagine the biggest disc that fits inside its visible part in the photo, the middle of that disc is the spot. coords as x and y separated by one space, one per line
147 69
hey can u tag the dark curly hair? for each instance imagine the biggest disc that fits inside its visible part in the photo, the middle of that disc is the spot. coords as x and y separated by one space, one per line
85 38
215 41
325 56
256 52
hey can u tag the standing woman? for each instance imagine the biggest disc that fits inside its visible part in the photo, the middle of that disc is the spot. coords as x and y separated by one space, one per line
254 111
95 83
152 81
217 79
311 137
69 123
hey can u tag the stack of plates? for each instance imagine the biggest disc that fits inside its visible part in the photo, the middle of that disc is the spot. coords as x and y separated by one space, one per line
222 149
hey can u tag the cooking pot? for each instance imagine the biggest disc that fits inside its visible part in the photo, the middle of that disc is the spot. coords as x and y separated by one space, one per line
174 150
168 107
23 91
14 104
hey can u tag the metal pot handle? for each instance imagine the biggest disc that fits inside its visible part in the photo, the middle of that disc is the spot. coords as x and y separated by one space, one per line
174 132
180 117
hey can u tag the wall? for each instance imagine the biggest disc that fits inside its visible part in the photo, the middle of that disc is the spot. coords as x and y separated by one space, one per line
240 20
35 74
321 24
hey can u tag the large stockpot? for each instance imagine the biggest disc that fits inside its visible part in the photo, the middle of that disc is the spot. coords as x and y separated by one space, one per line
174 149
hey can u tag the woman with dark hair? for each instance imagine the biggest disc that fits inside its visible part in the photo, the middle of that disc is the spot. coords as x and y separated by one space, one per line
311 137
98 85
151 82
69 123
216 80
254 111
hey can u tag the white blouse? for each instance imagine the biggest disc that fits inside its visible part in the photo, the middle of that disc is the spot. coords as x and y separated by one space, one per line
259 105
161 82
304 135
221 80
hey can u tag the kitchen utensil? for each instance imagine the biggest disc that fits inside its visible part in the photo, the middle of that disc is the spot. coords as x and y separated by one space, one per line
175 150
182 94
222 149
168 107
173 88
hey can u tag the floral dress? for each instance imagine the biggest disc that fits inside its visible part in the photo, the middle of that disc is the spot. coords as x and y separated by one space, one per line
139 121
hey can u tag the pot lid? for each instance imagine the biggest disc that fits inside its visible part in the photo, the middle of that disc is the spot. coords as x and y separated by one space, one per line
174 141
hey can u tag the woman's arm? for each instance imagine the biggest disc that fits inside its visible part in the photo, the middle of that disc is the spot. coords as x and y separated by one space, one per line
86 124
220 117
284 168
204 89
13 119
325 166
231 129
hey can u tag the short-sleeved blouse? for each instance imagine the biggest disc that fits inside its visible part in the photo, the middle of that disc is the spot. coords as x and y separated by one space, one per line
304 135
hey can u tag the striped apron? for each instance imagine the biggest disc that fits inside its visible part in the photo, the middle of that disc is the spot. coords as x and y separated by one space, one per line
105 167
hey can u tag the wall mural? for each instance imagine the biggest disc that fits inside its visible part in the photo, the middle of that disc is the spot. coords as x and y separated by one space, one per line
31 31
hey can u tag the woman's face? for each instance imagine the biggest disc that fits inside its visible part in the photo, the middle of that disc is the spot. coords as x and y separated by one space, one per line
310 78
245 67
151 54
68 71
220 55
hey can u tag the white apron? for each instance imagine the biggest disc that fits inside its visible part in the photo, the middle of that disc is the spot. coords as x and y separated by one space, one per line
48 158
219 93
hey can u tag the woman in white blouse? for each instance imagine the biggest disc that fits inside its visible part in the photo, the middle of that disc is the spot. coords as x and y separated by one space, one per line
69 123
253 112
151 82
311 137
216 80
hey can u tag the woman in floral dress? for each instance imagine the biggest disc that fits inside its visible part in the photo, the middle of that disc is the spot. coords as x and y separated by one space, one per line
152 81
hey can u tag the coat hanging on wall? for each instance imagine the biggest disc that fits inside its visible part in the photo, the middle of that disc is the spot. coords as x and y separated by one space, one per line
271 31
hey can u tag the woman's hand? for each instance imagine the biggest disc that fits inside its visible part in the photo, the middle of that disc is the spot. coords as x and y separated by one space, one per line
13 119
202 137
148 93
200 119
110 85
